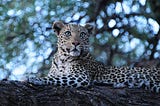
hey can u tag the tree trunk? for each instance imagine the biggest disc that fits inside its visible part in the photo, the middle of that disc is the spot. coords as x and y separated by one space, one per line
15 93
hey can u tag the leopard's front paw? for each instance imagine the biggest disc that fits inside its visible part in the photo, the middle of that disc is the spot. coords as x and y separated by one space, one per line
35 81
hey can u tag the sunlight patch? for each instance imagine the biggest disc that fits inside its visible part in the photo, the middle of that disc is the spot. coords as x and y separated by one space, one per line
154 25
19 70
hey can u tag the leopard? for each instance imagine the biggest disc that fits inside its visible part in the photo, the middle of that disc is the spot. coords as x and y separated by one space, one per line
74 66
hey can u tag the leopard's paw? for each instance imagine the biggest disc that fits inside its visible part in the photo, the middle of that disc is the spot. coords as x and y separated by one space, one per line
35 81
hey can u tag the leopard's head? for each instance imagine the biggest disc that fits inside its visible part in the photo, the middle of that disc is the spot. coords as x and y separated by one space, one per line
73 39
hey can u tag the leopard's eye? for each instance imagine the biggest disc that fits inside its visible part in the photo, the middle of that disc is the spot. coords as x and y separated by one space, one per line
67 33
82 35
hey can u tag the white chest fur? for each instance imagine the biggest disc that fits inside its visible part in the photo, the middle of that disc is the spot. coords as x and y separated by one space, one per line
63 66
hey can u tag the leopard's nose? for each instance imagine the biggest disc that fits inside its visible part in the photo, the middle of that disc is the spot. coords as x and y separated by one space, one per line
75 43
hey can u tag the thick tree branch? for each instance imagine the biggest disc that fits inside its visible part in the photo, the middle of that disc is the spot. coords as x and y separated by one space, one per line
15 93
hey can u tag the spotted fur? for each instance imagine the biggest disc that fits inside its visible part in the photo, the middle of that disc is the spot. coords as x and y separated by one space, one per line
73 66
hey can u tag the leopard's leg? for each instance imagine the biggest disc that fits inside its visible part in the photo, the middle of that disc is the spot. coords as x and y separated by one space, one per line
41 81
155 86
138 80
142 80
65 80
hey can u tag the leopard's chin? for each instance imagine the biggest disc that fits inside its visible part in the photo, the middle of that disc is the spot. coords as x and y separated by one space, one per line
75 53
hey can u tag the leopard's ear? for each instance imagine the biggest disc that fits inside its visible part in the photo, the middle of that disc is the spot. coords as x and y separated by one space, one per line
90 28
57 26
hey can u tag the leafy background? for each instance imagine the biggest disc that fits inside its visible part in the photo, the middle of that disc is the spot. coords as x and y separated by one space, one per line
126 33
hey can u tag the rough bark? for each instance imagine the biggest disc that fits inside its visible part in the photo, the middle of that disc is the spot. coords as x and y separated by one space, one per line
14 93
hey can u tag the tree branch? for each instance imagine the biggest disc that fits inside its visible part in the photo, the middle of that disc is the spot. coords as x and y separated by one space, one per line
22 93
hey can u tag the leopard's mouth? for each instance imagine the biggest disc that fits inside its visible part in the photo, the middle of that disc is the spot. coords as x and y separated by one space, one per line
74 52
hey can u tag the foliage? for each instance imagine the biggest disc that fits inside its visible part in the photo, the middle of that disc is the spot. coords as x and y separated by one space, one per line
127 31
